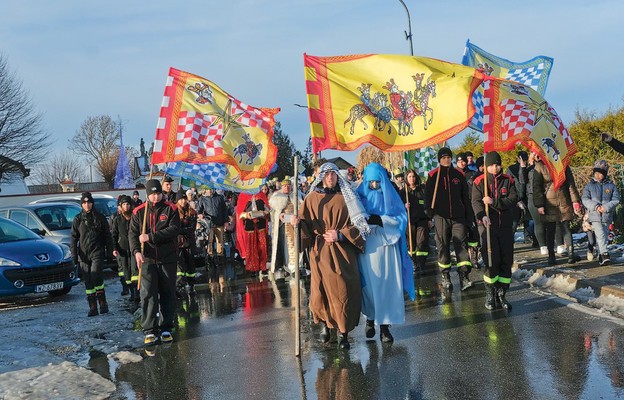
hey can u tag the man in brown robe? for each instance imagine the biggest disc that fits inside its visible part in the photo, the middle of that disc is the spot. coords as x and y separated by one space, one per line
333 228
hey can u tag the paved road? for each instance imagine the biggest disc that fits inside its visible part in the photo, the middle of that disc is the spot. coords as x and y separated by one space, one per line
236 342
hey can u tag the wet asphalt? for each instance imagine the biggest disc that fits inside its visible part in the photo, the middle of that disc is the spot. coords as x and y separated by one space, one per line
236 341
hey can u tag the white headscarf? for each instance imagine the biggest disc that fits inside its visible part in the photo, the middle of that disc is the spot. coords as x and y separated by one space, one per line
356 209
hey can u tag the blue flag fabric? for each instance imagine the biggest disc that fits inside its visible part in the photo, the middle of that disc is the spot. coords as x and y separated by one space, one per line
123 175
214 175
533 73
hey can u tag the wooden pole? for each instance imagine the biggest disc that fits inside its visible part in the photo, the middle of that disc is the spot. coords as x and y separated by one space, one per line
435 190
487 213
409 224
143 229
297 291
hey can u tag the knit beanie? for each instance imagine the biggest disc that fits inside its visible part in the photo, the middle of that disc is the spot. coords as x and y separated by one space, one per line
444 151
601 166
493 158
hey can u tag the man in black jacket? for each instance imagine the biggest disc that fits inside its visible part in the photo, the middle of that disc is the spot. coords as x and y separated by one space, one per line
447 201
501 199
90 237
156 256
120 227
212 208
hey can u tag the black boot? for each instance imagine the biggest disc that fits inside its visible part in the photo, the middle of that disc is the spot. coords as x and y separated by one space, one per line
446 279
464 279
93 311
324 335
369 329
343 341
501 291
101 298
572 258
124 286
490 302
385 335
552 259
417 267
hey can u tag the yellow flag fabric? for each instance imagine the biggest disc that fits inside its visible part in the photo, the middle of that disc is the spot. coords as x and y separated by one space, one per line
201 123
394 102
516 113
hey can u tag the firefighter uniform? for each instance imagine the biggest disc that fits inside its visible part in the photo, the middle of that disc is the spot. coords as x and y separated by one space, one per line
90 237
419 224
157 274
502 212
128 272
451 212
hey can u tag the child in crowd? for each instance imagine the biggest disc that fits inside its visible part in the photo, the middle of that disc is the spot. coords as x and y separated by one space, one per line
600 197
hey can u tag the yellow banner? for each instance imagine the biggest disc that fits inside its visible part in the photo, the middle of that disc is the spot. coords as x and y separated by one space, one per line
394 102
518 114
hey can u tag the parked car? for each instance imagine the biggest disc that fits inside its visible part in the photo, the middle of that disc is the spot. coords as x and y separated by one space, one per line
103 203
30 263
52 220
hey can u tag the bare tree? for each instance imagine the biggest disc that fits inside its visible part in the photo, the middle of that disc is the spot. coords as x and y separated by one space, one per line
22 139
97 139
60 167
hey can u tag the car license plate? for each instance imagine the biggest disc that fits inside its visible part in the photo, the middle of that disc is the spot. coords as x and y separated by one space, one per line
49 286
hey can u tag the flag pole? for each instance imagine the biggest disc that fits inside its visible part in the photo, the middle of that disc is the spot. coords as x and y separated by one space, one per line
409 224
144 227
487 214
296 235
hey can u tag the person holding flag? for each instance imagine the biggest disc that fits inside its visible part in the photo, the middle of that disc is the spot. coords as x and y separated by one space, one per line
495 209
186 244
420 224
447 200
154 229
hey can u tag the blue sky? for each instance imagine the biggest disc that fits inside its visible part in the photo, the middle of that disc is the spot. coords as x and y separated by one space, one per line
85 58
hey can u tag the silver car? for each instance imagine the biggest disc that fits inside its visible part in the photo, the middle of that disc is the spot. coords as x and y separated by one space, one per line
51 220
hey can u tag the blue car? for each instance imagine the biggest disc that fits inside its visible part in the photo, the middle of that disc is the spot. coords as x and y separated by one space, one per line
31 264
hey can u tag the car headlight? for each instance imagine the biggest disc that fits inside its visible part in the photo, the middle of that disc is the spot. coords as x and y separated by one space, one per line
5 262
66 252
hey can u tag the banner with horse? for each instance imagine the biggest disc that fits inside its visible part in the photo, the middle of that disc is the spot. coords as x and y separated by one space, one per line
394 102
201 123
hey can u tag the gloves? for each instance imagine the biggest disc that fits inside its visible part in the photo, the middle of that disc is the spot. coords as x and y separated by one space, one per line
375 220
429 213
577 207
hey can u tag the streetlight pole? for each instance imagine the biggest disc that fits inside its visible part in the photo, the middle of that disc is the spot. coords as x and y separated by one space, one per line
408 33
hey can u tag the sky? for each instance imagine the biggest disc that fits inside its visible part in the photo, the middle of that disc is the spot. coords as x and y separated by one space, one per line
79 59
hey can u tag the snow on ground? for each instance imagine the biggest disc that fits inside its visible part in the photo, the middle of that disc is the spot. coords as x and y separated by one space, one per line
62 381
46 343
125 357
560 284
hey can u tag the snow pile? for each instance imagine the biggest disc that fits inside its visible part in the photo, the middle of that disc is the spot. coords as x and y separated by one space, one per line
523 274
583 295
125 357
609 303
61 381
558 283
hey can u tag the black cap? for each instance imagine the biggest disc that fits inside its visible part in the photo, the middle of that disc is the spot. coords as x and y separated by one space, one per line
469 154
444 151
123 199
524 155
153 186
135 192
479 162
168 179
461 156
86 197
493 158
180 195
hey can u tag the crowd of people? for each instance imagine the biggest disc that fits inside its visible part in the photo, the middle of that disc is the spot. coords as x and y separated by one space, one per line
365 236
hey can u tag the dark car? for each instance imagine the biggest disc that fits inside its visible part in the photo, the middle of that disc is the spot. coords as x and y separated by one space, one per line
52 220
30 263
